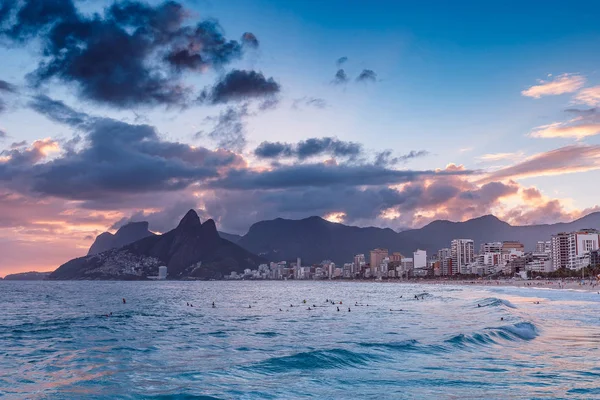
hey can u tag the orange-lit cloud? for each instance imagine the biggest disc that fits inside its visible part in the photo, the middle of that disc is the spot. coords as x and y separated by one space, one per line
565 83
589 96
571 129
565 160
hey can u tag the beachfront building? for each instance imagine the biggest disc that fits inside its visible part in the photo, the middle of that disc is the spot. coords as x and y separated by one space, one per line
573 250
490 247
420 259
462 251
376 257
543 247
560 250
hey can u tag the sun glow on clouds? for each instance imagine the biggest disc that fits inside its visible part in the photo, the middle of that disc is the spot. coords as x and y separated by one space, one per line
565 83
337 217
565 130
589 96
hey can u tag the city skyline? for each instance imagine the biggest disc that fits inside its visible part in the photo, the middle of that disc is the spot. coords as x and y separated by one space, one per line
407 114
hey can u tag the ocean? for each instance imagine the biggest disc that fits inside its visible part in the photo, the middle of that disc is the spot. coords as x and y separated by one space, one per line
460 342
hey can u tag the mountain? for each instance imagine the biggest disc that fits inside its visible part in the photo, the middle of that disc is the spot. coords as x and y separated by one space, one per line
315 239
133 232
28 276
126 234
191 250
232 237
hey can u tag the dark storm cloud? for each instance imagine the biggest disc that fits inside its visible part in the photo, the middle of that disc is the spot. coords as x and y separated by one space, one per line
341 61
319 175
131 55
240 85
386 158
204 46
309 148
114 158
340 77
367 75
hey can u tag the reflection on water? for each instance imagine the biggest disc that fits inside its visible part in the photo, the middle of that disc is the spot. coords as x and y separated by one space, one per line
262 341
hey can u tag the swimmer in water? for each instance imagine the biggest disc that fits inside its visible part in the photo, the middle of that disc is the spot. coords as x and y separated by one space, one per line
501 318
478 305
187 304
348 309
338 309
309 308
124 302
249 306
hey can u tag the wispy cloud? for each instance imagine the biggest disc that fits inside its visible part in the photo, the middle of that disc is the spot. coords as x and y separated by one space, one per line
565 83
570 129
564 160
494 157
589 96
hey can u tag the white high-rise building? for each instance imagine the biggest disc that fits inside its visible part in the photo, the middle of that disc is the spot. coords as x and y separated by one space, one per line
420 259
490 247
462 251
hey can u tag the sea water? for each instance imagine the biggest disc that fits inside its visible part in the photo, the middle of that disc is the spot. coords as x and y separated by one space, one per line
262 342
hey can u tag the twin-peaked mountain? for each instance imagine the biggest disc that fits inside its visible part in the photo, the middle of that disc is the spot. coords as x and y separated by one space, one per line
191 250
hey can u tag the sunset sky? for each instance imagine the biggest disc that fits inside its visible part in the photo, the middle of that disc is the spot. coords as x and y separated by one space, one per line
379 113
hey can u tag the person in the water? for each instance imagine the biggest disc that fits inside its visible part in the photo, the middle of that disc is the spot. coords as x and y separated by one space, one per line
478 305
124 301
338 309
348 309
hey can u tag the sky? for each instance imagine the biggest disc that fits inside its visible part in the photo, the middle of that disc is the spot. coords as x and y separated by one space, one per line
381 113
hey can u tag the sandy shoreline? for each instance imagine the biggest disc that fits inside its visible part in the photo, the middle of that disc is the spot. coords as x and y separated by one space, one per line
591 286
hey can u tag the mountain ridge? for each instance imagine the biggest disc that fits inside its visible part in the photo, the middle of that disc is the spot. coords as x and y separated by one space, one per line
191 250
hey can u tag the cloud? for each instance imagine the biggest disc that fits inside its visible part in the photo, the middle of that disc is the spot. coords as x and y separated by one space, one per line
589 96
239 85
565 83
385 158
248 39
568 159
114 158
7 87
131 55
494 157
341 61
319 175
229 131
367 75
3 134
309 148
340 77
315 102
58 111
576 129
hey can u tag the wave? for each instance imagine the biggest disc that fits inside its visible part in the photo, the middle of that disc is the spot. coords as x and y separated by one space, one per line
518 331
316 359
496 302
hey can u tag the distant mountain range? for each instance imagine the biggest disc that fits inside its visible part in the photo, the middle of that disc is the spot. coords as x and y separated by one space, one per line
191 250
315 239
